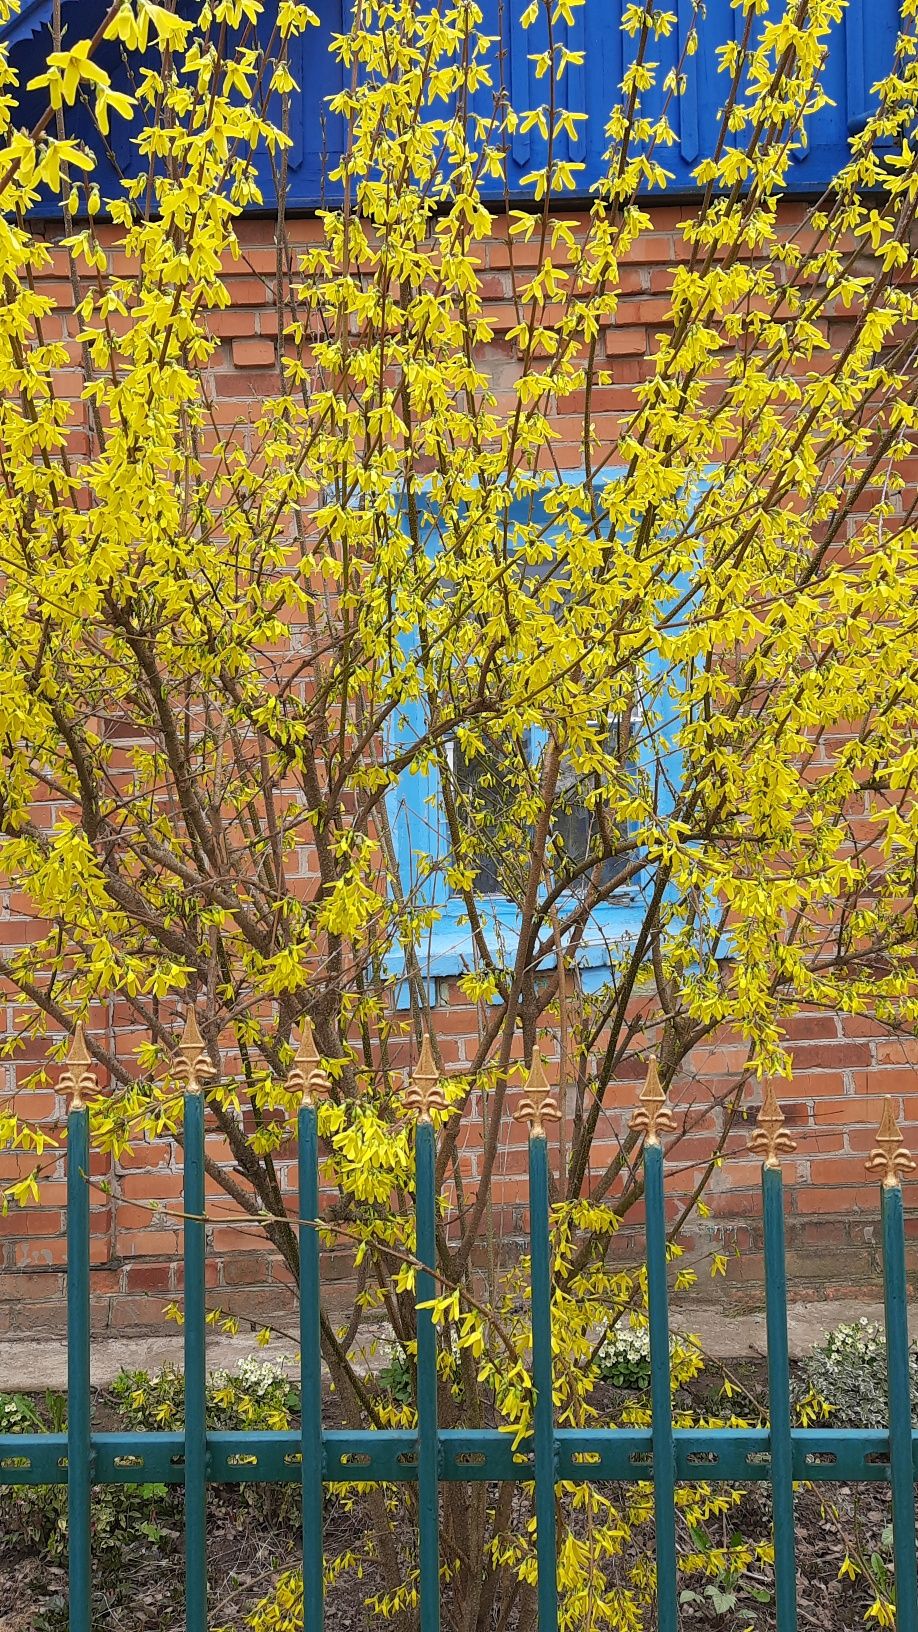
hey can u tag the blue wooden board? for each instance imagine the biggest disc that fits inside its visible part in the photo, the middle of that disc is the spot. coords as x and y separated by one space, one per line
860 52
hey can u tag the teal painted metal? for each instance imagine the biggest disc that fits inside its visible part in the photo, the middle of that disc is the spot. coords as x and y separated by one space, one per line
901 1469
428 1452
779 1411
664 1456
195 1446
311 1465
543 1414
779 1455
79 1444
467 1456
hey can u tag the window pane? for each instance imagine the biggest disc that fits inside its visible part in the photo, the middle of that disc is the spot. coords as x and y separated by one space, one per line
579 834
578 838
486 785
484 801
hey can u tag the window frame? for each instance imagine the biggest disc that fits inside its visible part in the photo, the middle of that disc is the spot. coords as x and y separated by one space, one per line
414 804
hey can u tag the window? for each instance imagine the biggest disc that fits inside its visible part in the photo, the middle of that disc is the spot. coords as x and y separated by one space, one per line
580 832
478 792
480 789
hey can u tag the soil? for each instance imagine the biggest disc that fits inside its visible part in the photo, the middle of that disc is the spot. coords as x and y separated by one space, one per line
246 1555
253 1537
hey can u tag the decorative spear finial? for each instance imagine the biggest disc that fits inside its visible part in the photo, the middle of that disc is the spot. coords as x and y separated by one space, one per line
652 1114
770 1140
307 1075
78 1077
196 1067
423 1093
889 1157
539 1103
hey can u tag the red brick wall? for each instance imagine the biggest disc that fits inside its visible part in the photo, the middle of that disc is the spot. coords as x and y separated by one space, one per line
843 1066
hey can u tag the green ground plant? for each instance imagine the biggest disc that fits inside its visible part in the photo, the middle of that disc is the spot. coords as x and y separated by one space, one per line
848 1372
256 1395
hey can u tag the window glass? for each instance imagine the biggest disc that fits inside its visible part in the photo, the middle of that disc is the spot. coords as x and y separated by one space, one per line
485 796
583 831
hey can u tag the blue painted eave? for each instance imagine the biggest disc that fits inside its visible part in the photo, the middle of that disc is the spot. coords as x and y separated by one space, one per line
32 16
859 52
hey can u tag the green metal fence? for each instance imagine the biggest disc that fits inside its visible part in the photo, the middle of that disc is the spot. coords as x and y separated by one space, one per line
780 1454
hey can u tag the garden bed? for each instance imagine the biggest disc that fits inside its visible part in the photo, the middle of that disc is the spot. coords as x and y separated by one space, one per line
253 1538
248 1549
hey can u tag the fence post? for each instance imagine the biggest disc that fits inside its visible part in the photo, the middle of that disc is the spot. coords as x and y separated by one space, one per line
423 1096
889 1160
310 1080
650 1117
538 1106
78 1079
196 1069
770 1140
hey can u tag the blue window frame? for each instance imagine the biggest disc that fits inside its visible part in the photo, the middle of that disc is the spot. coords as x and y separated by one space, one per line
422 842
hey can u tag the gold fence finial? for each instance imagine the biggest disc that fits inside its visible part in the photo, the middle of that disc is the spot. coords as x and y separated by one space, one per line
770 1139
307 1075
539 1103
196 1066
423 1093
78 1078
652 1114
889 1158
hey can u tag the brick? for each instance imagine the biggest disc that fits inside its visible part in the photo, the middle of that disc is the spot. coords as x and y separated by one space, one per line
32 1221
260 1305
151 1186
246 1269
133 1218
817 1026
843 1056
253 354
845 1111
861 1141
243 384
38 1105
235 320
836 1170
655 309
156 1154
26 1286
133 1311
245 1238
211 1273
657 248
882 1081
148 1278
817 1266
28 1318
661 279
262 262
861 1025
500 254
104 1280
248 291
149 1243
897 1051
40 1252
626 342
819 1085
812 1198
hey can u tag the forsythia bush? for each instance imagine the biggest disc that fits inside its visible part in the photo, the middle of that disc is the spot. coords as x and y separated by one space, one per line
676 677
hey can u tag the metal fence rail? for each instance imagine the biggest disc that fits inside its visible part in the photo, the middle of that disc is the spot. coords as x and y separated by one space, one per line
780 1454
